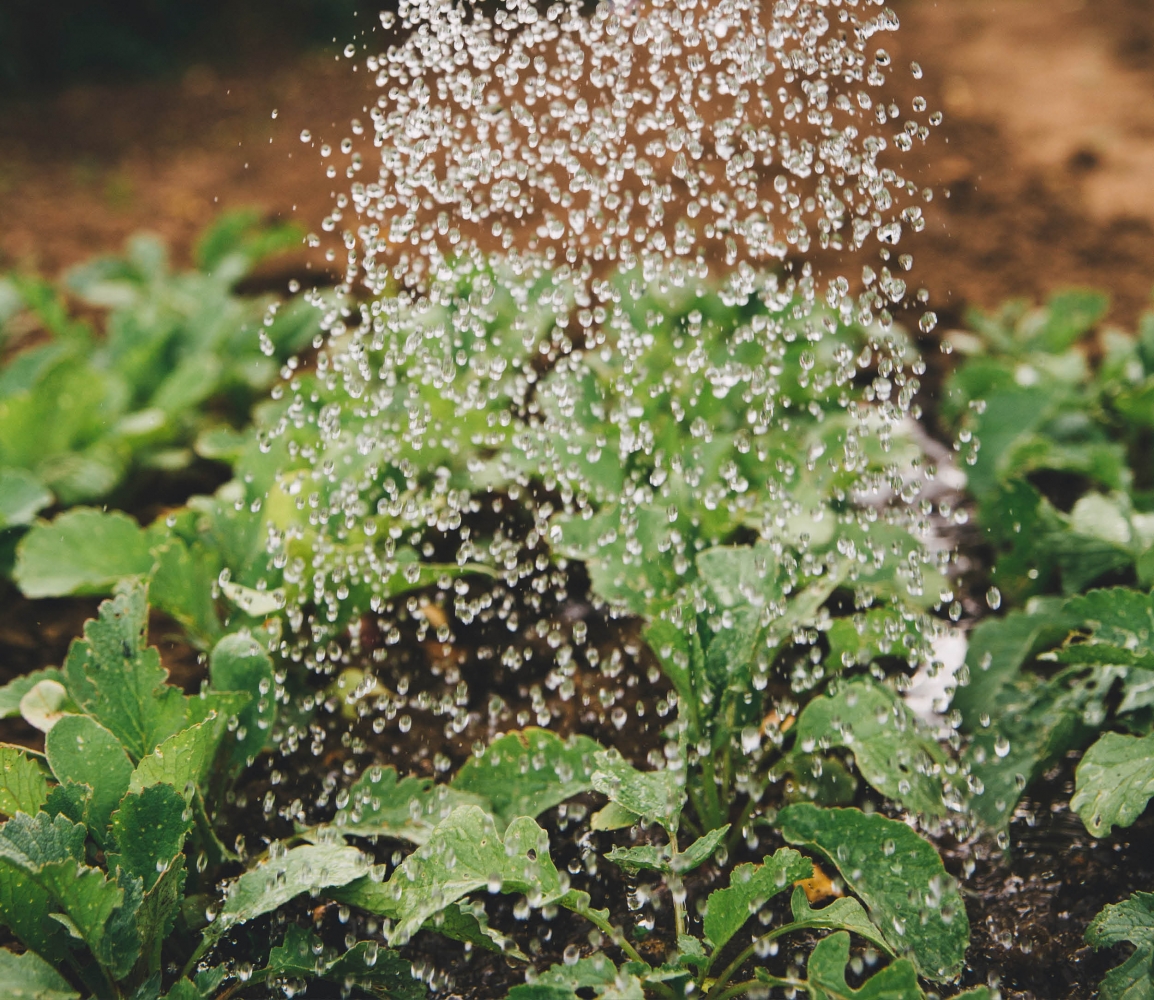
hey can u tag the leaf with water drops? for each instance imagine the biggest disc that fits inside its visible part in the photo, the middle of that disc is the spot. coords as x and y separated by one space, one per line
29 977
898 875
843 914
408 809
378 971
81 750
659 859
655 796
892 753
1115 626
284 876
825 974
23 785
528 772
465 853
595 975
238 663
1115 781
148 830
183 760
1130 921
751 887
468 923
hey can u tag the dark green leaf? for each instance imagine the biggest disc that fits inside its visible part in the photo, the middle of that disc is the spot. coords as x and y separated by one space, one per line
83 551
148 829
826 975
528 772
898 875
380 805
381 972
1115 781
1132 922
750 888
29 977
238 663
595 973
159 909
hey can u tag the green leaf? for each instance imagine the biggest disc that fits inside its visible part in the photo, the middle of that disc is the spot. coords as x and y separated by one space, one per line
469 923
382 973
238 663
45 704
751 887
844 914
277 880
22 497
13 692
655 796
23 787
1115 781
83 551
183 760
181 586
528 772
658 859
596 974
120 682
1120 623
740 575
613 817
29 977
826 975
1131 921
182 989
79 749
1070 314
465 853
159 909
891 751
149 829
409 809
899 877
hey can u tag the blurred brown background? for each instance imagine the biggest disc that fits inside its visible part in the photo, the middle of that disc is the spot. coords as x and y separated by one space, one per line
1044 168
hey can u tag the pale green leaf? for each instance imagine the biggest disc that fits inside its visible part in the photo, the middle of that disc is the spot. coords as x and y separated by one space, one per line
29 977
12 692
238 663
528 772
1115 781
409 809
183 760
23 787
659 859
595 974
613 817
844 914
381 972
897 874
45 703
655 796
751 887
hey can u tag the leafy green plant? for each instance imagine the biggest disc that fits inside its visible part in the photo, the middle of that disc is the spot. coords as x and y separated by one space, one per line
82 410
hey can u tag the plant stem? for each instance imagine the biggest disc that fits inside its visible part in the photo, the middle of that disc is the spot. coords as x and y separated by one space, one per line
739 826
738 988
676 888
712 819
605 927
740 960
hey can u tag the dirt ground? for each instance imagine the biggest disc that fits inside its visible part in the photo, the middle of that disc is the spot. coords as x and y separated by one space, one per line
1043 167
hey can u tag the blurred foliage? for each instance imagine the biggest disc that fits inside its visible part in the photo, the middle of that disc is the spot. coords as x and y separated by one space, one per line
45 46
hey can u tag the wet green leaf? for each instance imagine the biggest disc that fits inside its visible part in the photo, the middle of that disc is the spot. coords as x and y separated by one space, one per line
844 914
751 887
595 974
826 975
655 796
897 874
528 772
659 859
1115 781
23 787
408 809
1131 922
79 749
891 751
1115 626
148 829
238 663
380 972
83 551
29 977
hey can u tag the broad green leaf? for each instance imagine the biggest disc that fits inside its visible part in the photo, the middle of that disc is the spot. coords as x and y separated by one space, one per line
1132 922
899 877
1120 627
409 809
182 989
148 829
1115 781
83 551
825 974
740 575
613 817
79 749
29 977
238 663
380 972
465 853
115 678
891 752
181 585
751 887
528 772
22 497
844 914
183 760
34 841
45 704
277 880
159 909
658 858
595 974
12 692
655 796
23 787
